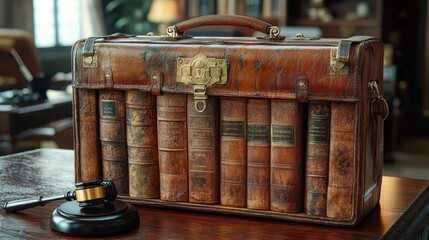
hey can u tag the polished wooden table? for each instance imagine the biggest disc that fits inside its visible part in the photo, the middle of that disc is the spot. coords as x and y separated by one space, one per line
403 212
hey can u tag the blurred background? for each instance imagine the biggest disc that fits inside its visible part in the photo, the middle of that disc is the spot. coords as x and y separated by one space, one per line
35 58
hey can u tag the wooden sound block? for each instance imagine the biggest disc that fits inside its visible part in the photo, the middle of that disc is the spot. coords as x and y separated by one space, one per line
100 220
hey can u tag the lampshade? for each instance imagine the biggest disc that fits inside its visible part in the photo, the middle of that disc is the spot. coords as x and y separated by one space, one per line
163 11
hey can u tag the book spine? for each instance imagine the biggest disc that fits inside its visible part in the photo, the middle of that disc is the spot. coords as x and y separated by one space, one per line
233 152
282 10
203 152
258 154
317 164
342 154
142 144
254 8
286 156
193 8
172 147
87 144
241 7
267 9
113 139
221 7
232 7
207 7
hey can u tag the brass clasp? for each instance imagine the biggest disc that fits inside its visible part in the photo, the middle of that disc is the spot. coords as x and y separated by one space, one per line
200 97
201 72
337 66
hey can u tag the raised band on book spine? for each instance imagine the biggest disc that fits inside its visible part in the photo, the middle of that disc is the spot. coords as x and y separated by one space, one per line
233 152
88 164
317 164
203 152
172 145
258 154
342 156
142 144
286 156
113 139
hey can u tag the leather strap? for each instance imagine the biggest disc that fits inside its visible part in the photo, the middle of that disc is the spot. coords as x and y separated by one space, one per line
343 53
88 48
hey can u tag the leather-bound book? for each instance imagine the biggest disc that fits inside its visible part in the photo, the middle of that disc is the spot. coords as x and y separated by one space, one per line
203 151
87 144
142 144
317 161
113 139
258 154
172 146
233 151
341 161
286 156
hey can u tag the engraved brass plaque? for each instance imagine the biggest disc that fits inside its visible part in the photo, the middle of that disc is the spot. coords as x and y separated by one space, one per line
201 72
283 135
233 129
258 135
108 108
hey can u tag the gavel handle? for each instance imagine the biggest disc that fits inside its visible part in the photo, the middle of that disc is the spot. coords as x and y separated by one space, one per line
13 206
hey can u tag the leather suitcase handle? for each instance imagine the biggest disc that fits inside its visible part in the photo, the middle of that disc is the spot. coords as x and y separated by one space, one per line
178 29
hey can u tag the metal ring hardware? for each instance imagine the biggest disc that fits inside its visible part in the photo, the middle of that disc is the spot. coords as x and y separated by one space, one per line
377 102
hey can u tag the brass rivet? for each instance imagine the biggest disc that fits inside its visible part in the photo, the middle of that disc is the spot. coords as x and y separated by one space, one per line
301 85
88 60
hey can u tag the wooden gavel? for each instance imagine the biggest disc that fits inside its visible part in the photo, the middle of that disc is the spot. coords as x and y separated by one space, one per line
87 193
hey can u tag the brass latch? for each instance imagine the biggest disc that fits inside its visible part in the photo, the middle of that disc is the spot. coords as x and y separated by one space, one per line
337 65
201 72
340 56
90 55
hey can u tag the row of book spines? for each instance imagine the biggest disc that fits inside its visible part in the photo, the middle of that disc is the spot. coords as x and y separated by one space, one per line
330 161
172 133
277 157
235 176
263 135
156 146
168 194
267 9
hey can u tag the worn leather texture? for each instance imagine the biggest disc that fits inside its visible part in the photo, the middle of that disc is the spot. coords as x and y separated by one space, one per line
295 71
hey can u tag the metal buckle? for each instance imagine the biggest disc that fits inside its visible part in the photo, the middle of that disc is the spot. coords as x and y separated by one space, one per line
379 105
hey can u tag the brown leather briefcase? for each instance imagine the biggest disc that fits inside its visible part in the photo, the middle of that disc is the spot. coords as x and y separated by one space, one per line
287 128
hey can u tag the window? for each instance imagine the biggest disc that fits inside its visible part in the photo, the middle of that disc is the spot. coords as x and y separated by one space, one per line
56 22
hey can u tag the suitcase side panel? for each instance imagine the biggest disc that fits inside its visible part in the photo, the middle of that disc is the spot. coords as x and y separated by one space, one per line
371 129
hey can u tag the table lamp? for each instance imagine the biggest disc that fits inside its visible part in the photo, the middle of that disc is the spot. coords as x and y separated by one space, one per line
163 12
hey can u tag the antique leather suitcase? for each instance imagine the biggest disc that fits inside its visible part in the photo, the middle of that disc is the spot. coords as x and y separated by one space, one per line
287 128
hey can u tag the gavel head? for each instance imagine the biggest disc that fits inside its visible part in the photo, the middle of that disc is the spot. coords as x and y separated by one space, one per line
94 192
